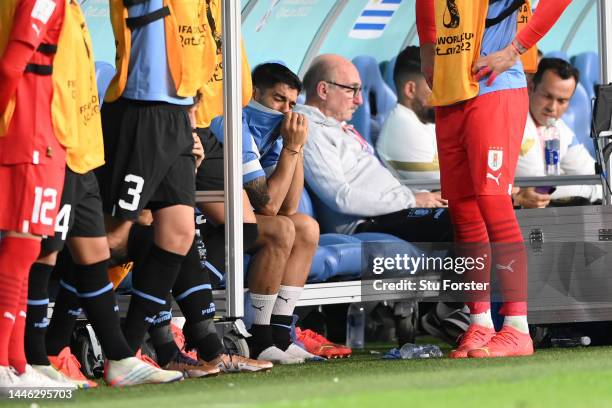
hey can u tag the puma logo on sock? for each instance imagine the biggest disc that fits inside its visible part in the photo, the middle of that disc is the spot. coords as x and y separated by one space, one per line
506 267
285 299
260 308
9 316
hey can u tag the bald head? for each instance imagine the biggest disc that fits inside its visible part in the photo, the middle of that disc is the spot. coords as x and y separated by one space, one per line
331 83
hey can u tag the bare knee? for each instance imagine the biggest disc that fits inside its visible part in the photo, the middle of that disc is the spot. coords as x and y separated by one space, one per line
306 230
174 228
277 232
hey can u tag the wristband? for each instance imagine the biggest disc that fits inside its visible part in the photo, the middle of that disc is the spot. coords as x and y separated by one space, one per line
520 50
293 152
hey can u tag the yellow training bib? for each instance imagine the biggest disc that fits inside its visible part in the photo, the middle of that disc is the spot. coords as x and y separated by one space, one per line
75 106
460 26
211 102
187 38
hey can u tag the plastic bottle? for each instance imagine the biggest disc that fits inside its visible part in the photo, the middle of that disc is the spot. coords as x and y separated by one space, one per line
410 351
552 146
355 326
576 341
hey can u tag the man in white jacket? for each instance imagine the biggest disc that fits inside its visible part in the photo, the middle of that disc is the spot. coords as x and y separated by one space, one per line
549 95
407 141
353 191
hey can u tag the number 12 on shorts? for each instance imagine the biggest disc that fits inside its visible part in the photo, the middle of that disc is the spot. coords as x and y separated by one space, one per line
133 192
45 200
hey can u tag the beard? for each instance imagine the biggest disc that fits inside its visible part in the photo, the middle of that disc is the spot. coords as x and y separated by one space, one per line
426 114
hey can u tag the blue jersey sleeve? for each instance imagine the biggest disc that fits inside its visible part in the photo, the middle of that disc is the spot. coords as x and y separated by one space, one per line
251 166
271 157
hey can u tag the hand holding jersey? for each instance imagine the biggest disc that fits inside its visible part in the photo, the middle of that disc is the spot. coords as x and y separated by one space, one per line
294 131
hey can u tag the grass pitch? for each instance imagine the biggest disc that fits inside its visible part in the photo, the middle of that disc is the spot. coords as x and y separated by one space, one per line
550 378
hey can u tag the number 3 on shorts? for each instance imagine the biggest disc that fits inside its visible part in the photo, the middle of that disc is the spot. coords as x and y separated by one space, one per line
134 192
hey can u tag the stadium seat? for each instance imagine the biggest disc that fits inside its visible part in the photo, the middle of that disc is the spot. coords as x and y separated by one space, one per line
588 65
387 74
557 54
578 118
104 74
344 249
378 99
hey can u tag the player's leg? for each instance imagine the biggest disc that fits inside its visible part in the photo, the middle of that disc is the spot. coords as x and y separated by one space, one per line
276 235
296 273
29 203
493 176
471 238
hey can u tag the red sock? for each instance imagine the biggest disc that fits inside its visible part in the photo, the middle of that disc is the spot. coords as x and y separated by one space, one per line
510 258
472 240
16 257
17 357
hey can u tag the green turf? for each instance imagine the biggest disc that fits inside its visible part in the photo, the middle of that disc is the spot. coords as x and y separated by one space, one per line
551 378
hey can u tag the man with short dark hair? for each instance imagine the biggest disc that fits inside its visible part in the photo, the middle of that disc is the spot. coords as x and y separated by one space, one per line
550 92
407 141
286 241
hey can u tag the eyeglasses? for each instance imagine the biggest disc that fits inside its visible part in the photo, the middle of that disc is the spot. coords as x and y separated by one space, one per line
356 89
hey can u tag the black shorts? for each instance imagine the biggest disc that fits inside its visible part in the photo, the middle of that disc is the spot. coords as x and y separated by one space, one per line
149 161
210 172
80 213
413 225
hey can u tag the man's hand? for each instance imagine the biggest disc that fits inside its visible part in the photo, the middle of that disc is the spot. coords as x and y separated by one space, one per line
198 150
294 130
428 53
429 200
494 64
529 198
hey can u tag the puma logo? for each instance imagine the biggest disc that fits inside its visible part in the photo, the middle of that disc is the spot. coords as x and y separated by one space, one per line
35 27
455 19
42 324
506 267
75 312
492 177
282 298
9 316
260 308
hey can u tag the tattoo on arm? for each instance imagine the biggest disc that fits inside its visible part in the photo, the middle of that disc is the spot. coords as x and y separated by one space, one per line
257 191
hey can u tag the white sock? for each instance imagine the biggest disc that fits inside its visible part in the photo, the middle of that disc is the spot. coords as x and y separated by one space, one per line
261 306
482 319
286 300
517 322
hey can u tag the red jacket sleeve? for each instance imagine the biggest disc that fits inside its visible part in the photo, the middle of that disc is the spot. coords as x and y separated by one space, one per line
30 24
546 15
12 66
426 21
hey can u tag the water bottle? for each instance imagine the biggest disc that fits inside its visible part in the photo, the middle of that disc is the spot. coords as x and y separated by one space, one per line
201 247
575 341
411 351
355 326
552 146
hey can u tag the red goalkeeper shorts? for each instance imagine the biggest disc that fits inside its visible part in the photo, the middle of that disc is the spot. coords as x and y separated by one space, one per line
479 142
